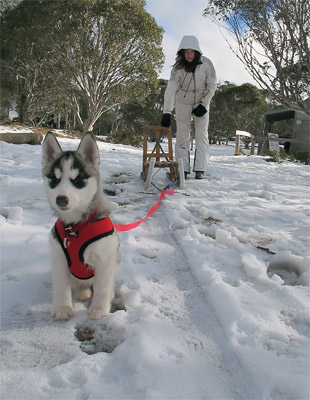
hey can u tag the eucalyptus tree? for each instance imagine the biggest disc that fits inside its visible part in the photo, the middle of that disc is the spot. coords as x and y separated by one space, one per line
90 54
271 38
108 52
25 49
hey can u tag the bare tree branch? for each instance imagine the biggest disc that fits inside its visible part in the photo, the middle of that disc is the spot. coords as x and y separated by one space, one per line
271 38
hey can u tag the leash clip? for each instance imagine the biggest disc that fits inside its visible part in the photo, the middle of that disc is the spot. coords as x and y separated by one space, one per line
73 234
69 232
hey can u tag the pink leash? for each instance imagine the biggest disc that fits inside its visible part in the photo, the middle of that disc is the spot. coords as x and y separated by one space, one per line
127 227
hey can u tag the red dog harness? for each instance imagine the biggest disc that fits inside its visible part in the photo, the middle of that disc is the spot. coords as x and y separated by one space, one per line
75 239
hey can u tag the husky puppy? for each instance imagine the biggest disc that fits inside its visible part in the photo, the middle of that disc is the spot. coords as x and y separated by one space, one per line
84 245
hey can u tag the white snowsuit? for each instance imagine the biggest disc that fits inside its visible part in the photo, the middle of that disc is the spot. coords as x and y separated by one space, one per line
185 91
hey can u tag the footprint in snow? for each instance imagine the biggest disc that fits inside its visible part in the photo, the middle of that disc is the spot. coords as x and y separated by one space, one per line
101 336
98 338
288 272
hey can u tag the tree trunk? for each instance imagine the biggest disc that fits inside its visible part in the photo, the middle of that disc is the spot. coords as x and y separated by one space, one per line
77 115
87 126
22 108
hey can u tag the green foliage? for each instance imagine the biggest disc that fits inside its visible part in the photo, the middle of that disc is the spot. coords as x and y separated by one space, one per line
24 62
236 108
303 156
111 53
281 155
88 54
129 137
134 115
275 155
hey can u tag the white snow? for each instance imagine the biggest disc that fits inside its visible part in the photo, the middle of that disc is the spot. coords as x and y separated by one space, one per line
208 314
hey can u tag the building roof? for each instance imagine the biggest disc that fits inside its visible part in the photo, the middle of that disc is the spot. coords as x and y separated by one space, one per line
279 114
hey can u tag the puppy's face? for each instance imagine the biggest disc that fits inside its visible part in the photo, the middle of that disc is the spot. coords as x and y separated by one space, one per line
69 184
70 178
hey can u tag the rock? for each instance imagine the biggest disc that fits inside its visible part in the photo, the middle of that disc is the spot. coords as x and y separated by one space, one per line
22 137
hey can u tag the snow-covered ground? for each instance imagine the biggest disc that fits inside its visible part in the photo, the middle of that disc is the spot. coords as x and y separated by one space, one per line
209 315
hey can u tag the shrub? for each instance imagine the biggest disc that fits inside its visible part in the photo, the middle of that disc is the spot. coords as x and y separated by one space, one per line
304 157
279 156
276 156
129 137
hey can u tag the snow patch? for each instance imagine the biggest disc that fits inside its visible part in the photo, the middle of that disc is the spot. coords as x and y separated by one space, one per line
208 313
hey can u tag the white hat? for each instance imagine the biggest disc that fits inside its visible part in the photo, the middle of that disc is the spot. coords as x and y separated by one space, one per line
189 42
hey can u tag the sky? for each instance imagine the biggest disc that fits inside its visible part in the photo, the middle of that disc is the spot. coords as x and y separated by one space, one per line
184 17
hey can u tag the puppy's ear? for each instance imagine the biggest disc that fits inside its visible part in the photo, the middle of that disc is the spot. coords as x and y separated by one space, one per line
50 149
88 149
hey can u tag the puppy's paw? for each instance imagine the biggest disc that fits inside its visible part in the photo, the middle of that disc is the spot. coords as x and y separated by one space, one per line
98 312
63 313
83 294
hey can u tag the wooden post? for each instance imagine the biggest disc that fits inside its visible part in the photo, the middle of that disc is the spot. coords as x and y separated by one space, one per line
237 145
253 141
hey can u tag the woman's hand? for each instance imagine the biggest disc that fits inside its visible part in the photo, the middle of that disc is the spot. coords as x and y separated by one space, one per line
199 111
166 121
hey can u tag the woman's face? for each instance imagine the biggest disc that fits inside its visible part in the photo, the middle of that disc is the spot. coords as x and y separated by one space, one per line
189 55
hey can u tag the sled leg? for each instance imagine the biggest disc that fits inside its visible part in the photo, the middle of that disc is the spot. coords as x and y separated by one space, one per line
150 173
181 173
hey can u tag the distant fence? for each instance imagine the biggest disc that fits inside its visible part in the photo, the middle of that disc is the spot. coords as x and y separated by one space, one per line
262 139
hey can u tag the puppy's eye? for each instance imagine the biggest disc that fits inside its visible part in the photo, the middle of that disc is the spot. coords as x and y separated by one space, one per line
53 181
79 181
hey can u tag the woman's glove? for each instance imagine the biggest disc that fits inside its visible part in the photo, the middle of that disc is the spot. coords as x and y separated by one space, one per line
166 120
199 111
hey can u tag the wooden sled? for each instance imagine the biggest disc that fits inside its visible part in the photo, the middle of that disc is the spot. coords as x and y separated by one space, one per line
155 156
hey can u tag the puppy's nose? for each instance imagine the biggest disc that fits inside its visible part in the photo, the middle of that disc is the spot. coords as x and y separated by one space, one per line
62 201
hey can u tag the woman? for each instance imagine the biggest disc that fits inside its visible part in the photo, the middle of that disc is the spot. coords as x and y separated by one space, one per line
190 88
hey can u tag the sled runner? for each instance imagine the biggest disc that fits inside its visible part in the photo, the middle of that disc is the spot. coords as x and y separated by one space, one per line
156 157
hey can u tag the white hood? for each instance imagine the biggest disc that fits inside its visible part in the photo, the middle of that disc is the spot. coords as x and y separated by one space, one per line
189 42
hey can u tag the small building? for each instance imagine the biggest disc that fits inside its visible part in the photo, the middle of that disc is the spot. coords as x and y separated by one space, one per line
296 136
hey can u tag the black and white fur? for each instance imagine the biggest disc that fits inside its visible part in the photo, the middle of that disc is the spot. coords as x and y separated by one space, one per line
73 187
